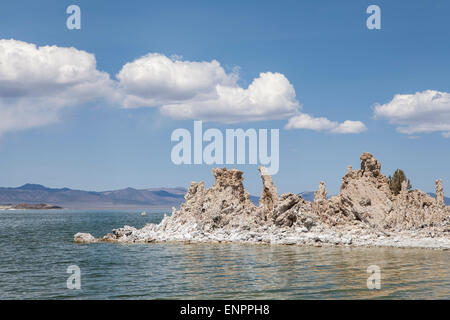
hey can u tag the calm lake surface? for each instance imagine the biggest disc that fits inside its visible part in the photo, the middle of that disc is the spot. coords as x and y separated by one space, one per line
36 248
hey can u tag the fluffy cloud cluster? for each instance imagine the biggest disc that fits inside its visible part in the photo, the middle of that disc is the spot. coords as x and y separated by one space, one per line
422 112
304 121
156 80
203 90
36 82
270 96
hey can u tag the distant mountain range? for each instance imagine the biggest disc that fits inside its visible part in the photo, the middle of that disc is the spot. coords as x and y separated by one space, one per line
79 199
124 198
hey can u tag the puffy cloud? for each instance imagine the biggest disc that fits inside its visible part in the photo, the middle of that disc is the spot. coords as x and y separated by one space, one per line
349 126
36 82
446 135
305 121
427 111
155 80
270 96
203 90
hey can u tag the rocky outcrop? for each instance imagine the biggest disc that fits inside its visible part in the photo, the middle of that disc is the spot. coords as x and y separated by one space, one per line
363 213
329 211
269 195
365 193
321 194
370 165
225 205
365 196
291 209
439 194
83 238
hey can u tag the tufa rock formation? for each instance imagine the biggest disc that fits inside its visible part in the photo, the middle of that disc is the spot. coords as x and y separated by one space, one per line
365 193
365 205
225 205
320 195
269 195
439 194
84 238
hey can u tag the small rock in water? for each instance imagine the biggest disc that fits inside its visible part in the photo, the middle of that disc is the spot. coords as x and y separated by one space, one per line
83 238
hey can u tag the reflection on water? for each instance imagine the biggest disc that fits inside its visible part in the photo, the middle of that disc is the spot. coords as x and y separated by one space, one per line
36 248
280 272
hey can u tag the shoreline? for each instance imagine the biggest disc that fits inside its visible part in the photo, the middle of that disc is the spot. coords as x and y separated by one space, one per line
31 206
357 236
422 244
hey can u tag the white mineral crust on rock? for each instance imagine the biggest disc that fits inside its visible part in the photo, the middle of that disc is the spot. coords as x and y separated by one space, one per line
364 213
84 238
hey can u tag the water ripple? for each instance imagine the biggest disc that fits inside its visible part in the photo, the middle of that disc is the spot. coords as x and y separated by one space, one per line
36 248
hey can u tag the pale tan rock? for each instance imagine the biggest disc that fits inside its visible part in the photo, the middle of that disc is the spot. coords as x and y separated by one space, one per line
365 196
286 212
370 164
83 238
225 204
321 194
363 213
404 192
439 194
399 216
269 195
365 193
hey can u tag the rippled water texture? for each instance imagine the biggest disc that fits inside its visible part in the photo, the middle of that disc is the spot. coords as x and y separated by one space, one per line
36 248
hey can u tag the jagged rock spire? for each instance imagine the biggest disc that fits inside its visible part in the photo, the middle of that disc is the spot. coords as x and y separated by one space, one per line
404 191
269 194
321 194
369 164
439 194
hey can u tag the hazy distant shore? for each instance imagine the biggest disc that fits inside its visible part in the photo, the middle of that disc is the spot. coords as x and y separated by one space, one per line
85 207
28 206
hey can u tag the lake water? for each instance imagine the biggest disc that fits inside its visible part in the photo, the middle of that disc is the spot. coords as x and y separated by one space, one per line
36 248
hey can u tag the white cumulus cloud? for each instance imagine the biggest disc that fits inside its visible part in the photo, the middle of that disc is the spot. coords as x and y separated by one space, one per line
155 80
203 90
270 96
36 82
305 121
349 126
422 112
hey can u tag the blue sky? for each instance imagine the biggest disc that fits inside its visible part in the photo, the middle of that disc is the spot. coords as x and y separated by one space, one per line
338 68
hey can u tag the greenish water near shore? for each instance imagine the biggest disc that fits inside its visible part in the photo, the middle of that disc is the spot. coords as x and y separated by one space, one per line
36 248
